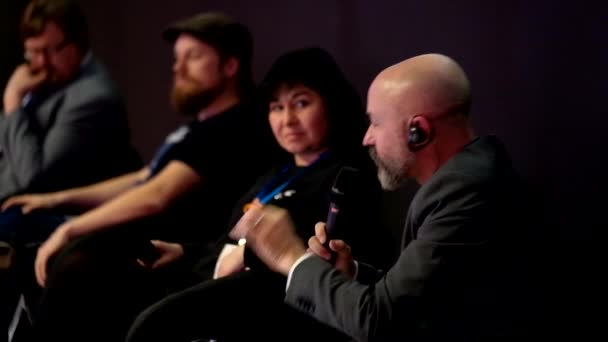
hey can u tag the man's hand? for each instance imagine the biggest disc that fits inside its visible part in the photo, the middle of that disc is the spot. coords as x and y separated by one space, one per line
54 243
231 263
169 252
271 235
22 81
343 256
30 203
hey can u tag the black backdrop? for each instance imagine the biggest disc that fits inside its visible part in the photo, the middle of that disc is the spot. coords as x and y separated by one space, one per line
538 70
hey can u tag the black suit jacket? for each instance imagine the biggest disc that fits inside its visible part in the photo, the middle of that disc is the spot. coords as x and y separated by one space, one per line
460 275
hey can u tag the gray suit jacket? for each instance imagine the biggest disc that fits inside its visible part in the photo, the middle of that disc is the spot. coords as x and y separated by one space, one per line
461 274
72 136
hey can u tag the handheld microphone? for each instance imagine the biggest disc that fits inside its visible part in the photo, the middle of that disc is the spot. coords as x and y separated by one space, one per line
344 182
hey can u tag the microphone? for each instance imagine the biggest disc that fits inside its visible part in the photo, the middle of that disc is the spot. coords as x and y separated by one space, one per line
345 180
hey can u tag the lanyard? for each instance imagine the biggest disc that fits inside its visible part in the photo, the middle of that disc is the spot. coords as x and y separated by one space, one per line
264 195
263 198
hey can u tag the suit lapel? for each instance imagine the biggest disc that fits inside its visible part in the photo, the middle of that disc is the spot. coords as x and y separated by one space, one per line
408 229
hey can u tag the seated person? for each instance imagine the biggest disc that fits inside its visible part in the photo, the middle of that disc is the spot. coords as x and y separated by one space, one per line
195 176
318 118
63 123
469 259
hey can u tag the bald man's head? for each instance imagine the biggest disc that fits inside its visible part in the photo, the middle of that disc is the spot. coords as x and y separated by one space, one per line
432 84
418 111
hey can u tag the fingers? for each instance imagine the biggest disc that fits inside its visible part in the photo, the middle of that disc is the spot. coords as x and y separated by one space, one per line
11 202
316 247
316 243
261 225
320 232
227 267
169 252
27 208
251 222
166 247
339 246
39 77
23 68
158 244
27 203
165 256
246 223
257 204
142 263
343 255
7 204
163 260
40 268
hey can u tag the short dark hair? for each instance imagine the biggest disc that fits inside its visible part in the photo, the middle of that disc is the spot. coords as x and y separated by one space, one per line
229 37
316 69
66 14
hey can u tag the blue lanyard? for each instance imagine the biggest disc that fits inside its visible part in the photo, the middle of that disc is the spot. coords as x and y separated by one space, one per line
265 198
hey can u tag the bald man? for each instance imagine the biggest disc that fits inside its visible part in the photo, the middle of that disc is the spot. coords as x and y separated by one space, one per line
460 275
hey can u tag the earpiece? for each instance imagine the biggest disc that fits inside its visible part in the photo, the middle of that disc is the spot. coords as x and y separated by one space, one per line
417 137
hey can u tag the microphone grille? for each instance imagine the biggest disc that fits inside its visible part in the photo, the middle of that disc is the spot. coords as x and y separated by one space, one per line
345 179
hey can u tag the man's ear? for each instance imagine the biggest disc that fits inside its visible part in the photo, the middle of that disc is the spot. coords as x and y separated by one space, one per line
231 67
420 133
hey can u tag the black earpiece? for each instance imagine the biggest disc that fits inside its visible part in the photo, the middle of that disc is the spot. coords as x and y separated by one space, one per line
417 137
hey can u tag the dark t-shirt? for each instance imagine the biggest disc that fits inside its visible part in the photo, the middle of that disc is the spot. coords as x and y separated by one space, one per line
229 151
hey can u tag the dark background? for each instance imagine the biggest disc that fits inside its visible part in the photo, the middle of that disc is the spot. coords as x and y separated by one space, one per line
538 70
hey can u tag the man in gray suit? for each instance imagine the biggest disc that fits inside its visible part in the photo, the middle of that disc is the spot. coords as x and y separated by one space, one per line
64 123
461 274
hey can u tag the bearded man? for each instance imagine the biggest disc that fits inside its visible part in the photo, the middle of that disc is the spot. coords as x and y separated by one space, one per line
185 194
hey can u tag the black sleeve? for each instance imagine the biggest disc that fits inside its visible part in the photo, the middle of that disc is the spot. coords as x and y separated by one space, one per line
204 150
227 147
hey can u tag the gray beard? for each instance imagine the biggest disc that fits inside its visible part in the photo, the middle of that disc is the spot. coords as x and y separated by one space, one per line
391 177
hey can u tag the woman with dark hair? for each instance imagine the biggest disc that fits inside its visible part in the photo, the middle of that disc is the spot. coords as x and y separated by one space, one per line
317 117
316 70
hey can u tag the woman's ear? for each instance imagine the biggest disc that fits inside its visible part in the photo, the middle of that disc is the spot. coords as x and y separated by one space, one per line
231 67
